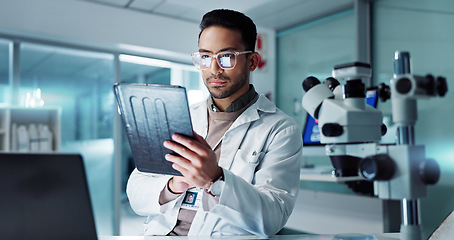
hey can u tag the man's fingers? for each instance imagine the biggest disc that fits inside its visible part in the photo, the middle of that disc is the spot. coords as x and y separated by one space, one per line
189 149
180 164
195 159
196 145
179 149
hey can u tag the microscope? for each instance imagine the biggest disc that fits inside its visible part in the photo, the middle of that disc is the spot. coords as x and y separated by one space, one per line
351 131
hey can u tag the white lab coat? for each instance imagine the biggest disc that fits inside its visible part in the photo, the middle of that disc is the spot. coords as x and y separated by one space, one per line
260 156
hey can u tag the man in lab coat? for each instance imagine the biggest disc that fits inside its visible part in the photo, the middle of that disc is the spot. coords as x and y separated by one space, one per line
241 172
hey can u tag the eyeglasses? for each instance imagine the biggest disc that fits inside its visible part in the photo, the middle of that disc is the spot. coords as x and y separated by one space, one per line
225 60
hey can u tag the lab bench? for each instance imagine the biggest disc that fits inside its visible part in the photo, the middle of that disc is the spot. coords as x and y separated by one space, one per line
328 205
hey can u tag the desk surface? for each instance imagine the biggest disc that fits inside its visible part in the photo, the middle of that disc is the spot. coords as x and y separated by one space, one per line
381 236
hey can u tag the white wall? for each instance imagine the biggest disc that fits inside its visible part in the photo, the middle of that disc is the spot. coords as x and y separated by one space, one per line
113 29
264 79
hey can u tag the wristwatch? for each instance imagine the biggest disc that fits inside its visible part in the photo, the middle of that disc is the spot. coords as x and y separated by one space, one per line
216 186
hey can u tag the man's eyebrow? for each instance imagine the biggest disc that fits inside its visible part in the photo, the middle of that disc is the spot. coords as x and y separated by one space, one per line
221 50
228 49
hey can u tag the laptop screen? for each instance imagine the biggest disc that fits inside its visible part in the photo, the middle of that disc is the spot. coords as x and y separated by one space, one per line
44 196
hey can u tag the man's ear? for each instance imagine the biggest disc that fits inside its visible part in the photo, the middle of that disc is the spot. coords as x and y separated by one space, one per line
254 61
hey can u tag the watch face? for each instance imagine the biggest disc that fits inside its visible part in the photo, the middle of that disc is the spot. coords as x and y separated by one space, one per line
217 187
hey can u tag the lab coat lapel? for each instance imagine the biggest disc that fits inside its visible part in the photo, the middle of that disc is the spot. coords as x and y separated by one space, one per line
233 138
199 115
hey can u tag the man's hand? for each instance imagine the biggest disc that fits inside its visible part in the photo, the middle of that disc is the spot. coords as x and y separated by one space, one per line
197 161
179 184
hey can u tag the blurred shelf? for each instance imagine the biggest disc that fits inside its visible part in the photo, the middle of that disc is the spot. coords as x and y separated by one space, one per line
13 117
314 151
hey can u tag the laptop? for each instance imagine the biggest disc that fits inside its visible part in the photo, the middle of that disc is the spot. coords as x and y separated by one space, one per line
151 114
44 196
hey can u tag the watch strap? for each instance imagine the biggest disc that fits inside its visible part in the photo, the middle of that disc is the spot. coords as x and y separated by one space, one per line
221 178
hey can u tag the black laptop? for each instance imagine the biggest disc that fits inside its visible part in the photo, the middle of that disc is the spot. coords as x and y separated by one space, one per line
44 196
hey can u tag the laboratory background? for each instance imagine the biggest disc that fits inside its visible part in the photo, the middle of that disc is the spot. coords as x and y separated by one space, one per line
60 59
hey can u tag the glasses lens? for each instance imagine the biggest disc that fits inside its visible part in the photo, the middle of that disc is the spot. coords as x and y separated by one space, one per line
201 61
226 60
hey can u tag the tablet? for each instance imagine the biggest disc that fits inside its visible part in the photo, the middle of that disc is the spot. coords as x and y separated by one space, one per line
151 114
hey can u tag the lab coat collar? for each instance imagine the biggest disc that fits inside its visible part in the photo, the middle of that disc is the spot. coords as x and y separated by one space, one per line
199 114
252 113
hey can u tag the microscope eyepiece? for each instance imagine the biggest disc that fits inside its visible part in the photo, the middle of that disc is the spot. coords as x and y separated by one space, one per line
331 83
310 82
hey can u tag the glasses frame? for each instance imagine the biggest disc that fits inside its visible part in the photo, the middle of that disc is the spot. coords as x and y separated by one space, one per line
215 56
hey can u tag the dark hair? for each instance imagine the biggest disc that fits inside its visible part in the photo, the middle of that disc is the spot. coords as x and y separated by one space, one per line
233 20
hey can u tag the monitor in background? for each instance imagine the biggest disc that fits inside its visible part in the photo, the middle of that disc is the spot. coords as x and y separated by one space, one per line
372 97
311 131
44 196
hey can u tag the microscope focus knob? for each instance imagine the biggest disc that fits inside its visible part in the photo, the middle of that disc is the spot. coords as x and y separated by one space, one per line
441 86
310 82
384 129
332 130
384 92
429 85
377 167
403 85
429 171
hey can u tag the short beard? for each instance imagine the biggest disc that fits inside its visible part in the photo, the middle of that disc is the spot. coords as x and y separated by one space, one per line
228 92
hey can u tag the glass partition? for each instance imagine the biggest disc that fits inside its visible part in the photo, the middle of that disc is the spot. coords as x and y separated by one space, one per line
80 84
191 79
4 71
311 49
